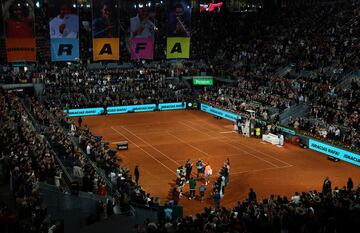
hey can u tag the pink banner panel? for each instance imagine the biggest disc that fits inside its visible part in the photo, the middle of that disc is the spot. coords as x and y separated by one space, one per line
142 48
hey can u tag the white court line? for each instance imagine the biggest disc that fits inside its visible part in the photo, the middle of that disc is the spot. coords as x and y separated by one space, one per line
260 152
143 132
151 146
238 148
242 144
227 132
144 151
258 170
116 142
151 123
184 160
208 155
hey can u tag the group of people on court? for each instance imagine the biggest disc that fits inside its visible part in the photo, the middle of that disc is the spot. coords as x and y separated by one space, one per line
202 176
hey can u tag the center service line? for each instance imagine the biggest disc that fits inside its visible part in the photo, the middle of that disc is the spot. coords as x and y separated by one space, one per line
144 151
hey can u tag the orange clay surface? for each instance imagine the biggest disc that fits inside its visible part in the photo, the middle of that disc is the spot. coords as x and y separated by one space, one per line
159 142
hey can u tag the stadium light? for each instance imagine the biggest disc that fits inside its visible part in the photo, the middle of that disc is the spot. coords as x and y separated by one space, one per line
74 5
135 6
37 4
141 5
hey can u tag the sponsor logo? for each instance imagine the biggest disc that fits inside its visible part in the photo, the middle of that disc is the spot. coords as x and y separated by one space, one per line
335 152
218 112
172 106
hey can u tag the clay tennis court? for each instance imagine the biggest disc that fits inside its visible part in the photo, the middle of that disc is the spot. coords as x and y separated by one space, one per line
159 142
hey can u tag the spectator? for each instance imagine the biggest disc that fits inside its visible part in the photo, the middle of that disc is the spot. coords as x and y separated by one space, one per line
326 186
192 188
216 198
349 185
202 190
136 174
168 213
252 196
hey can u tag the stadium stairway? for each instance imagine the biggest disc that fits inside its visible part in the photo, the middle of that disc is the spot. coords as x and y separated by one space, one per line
283 71
66 178
114 224
6 197
2 51
75 209
347 79
138 215
293 112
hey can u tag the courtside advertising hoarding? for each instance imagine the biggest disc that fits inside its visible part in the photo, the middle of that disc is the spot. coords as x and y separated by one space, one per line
172 106
125 109
341 154
131 108
204 81
84 112
289 131
218 112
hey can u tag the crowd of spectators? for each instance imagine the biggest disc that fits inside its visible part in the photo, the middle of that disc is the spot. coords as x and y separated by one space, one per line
91 160
302 58
26 159
298 56
334 116
333 210
72 88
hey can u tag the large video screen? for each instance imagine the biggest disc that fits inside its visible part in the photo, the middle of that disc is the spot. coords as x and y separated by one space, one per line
210 6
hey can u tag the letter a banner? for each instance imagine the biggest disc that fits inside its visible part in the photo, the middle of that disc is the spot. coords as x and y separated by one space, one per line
106 49
105 30
19 30
178 47
64 30
178 29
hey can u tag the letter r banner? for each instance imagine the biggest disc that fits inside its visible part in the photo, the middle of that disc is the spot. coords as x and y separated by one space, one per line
64 49
106 49
178 47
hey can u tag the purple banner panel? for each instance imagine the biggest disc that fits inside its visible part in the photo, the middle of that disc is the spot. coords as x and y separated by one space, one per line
142 48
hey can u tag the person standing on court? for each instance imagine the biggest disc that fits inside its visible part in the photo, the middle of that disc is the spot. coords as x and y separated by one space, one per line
188 167
216 198
349 185
199 167
136 174
208 173
80 121
192 186
252 196
202 190
326 186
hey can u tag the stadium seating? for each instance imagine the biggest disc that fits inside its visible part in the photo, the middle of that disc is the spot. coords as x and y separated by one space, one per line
300 58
